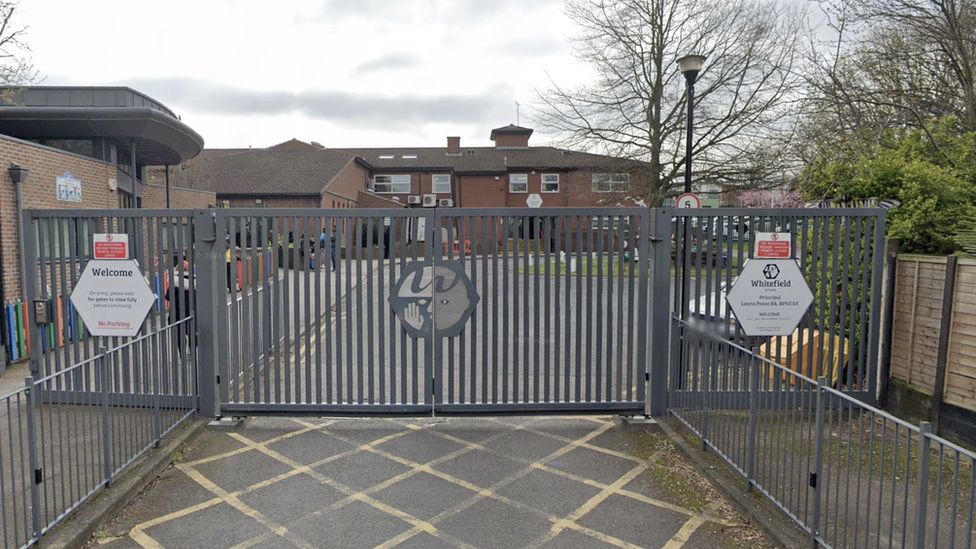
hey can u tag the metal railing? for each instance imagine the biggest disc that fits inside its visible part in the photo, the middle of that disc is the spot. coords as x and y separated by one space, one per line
70 433
850 474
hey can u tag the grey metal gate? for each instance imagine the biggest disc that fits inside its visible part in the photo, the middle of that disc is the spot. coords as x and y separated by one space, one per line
841 254
425 310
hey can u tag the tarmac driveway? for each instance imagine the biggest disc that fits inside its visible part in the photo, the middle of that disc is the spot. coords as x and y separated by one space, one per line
458 482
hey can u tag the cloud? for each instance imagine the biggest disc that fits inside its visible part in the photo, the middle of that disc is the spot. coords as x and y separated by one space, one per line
336 106
453 10
533 46
386 62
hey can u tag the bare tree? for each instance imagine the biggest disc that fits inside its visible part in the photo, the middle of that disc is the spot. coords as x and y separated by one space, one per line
16 68
893 63
635 107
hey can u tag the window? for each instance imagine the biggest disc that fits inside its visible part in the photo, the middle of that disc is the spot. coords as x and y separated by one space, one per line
441 183
408 156
391 184
550 182
518 183
387 156
611 182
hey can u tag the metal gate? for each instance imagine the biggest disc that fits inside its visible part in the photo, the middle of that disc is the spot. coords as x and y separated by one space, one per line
841 255
425 310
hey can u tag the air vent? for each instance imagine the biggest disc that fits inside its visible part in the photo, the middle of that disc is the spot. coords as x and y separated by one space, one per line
445 203
430 200
413 199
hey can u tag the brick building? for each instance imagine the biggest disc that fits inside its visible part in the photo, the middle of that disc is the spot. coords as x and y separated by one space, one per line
298 174
84 148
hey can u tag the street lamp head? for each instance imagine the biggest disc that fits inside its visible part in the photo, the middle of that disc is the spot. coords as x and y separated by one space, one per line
691 65
18 174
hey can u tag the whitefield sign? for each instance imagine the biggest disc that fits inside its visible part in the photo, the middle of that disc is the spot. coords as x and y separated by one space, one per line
770 297
112 297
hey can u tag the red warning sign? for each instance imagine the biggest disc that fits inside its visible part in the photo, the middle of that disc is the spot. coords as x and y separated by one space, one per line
111 246
773 246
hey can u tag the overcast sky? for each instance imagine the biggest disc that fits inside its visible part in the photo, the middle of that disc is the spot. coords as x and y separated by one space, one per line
341 72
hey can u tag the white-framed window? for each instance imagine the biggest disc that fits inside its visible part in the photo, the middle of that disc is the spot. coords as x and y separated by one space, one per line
518 182
441 183
611 182
550 182
391 184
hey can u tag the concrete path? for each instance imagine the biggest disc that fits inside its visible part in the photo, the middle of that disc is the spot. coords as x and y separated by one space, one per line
465 482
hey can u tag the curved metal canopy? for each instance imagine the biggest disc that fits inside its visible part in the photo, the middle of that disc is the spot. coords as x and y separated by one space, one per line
160 138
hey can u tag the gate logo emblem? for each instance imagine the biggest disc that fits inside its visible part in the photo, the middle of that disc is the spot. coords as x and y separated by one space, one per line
436 299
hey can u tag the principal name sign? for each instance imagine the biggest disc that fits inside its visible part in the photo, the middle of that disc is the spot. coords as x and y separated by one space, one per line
769 297
112 297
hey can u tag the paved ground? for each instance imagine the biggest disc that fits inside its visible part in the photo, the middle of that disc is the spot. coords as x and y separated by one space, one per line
505 482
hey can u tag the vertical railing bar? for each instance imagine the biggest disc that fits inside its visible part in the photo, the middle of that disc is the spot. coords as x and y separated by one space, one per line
487 365
599 237
32 440
536 304
371 361
817 460
547 223
922 483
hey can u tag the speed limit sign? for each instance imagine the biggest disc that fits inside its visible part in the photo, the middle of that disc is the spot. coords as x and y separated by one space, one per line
687 200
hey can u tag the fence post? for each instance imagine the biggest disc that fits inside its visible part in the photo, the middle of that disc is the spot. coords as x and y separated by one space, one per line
101 368
208 279
945 329
657 374
751 444
155 356
35 471
922 478
815 480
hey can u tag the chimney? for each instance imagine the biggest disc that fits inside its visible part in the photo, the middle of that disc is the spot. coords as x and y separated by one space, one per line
453 144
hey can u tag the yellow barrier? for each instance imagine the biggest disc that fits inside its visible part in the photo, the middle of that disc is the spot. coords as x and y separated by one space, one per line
794 352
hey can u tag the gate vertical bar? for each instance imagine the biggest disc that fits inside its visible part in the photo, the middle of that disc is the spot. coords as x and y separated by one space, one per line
205 259
29 286
659 243
877 276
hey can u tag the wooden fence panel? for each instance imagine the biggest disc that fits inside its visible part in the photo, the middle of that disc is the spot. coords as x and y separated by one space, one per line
916 326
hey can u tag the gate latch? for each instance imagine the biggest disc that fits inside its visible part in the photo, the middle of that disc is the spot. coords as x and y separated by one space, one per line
812 481
38 475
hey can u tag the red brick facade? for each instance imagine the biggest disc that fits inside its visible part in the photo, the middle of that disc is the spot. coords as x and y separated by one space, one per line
44 165
492 191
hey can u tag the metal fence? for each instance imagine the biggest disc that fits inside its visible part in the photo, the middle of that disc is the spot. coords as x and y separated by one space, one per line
311 317
70 433
850 474
58 245
841 255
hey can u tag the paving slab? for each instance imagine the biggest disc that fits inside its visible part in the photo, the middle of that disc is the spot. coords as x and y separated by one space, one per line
462 482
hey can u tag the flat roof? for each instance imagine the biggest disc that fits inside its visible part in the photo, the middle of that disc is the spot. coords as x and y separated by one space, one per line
118 113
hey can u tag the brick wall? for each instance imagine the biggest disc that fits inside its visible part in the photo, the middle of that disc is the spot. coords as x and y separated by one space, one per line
343 190
45 164
154 196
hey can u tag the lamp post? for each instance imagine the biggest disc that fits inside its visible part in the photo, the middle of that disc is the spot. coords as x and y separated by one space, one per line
690 66
18 175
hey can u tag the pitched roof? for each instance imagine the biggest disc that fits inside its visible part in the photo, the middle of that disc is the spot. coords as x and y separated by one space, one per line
486 159
262 171
510 129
